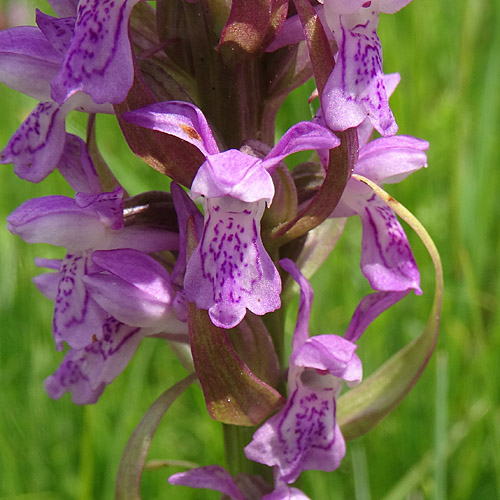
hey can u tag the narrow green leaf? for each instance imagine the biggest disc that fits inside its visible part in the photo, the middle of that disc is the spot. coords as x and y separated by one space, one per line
363 407
128 479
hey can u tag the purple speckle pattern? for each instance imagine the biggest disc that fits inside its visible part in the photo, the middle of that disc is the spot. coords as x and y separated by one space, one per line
77 318
386 257
57 31
356 89
307 423
304 435
37 145
85 372
99 58
230 270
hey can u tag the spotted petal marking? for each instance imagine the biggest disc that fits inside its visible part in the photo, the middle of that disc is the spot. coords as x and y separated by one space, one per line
77 317
85 372
302 436
99 59
355 89
57 31
308 424
386 257
230 270
37 145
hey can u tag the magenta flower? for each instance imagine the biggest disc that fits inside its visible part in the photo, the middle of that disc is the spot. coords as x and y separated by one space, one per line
74 63
91 221
230 270
386 257
137 300
82 225
355 89
85 372
98 58
108 294
236 271
304 434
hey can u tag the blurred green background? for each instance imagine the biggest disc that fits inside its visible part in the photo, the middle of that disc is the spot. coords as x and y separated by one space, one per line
443 441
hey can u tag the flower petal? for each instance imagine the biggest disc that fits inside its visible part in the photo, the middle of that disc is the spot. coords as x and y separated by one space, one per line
235 174
134 288
386 257
47 283
230 270
76 166
111 354
368 309
99 59
302 436
184 208
391 159
56 220
37 145
85 372
57 31
27 61
355 89
330 353
302 136
285 492
70 377
301 331
77 317
107 206
181 119
142 238
211 477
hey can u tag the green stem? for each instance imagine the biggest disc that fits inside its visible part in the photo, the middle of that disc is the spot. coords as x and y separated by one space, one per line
235 440
275 324
229 91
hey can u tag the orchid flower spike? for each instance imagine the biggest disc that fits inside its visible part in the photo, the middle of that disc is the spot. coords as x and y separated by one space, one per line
230 271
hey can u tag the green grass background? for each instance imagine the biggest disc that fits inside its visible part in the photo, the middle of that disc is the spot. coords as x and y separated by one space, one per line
442 442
